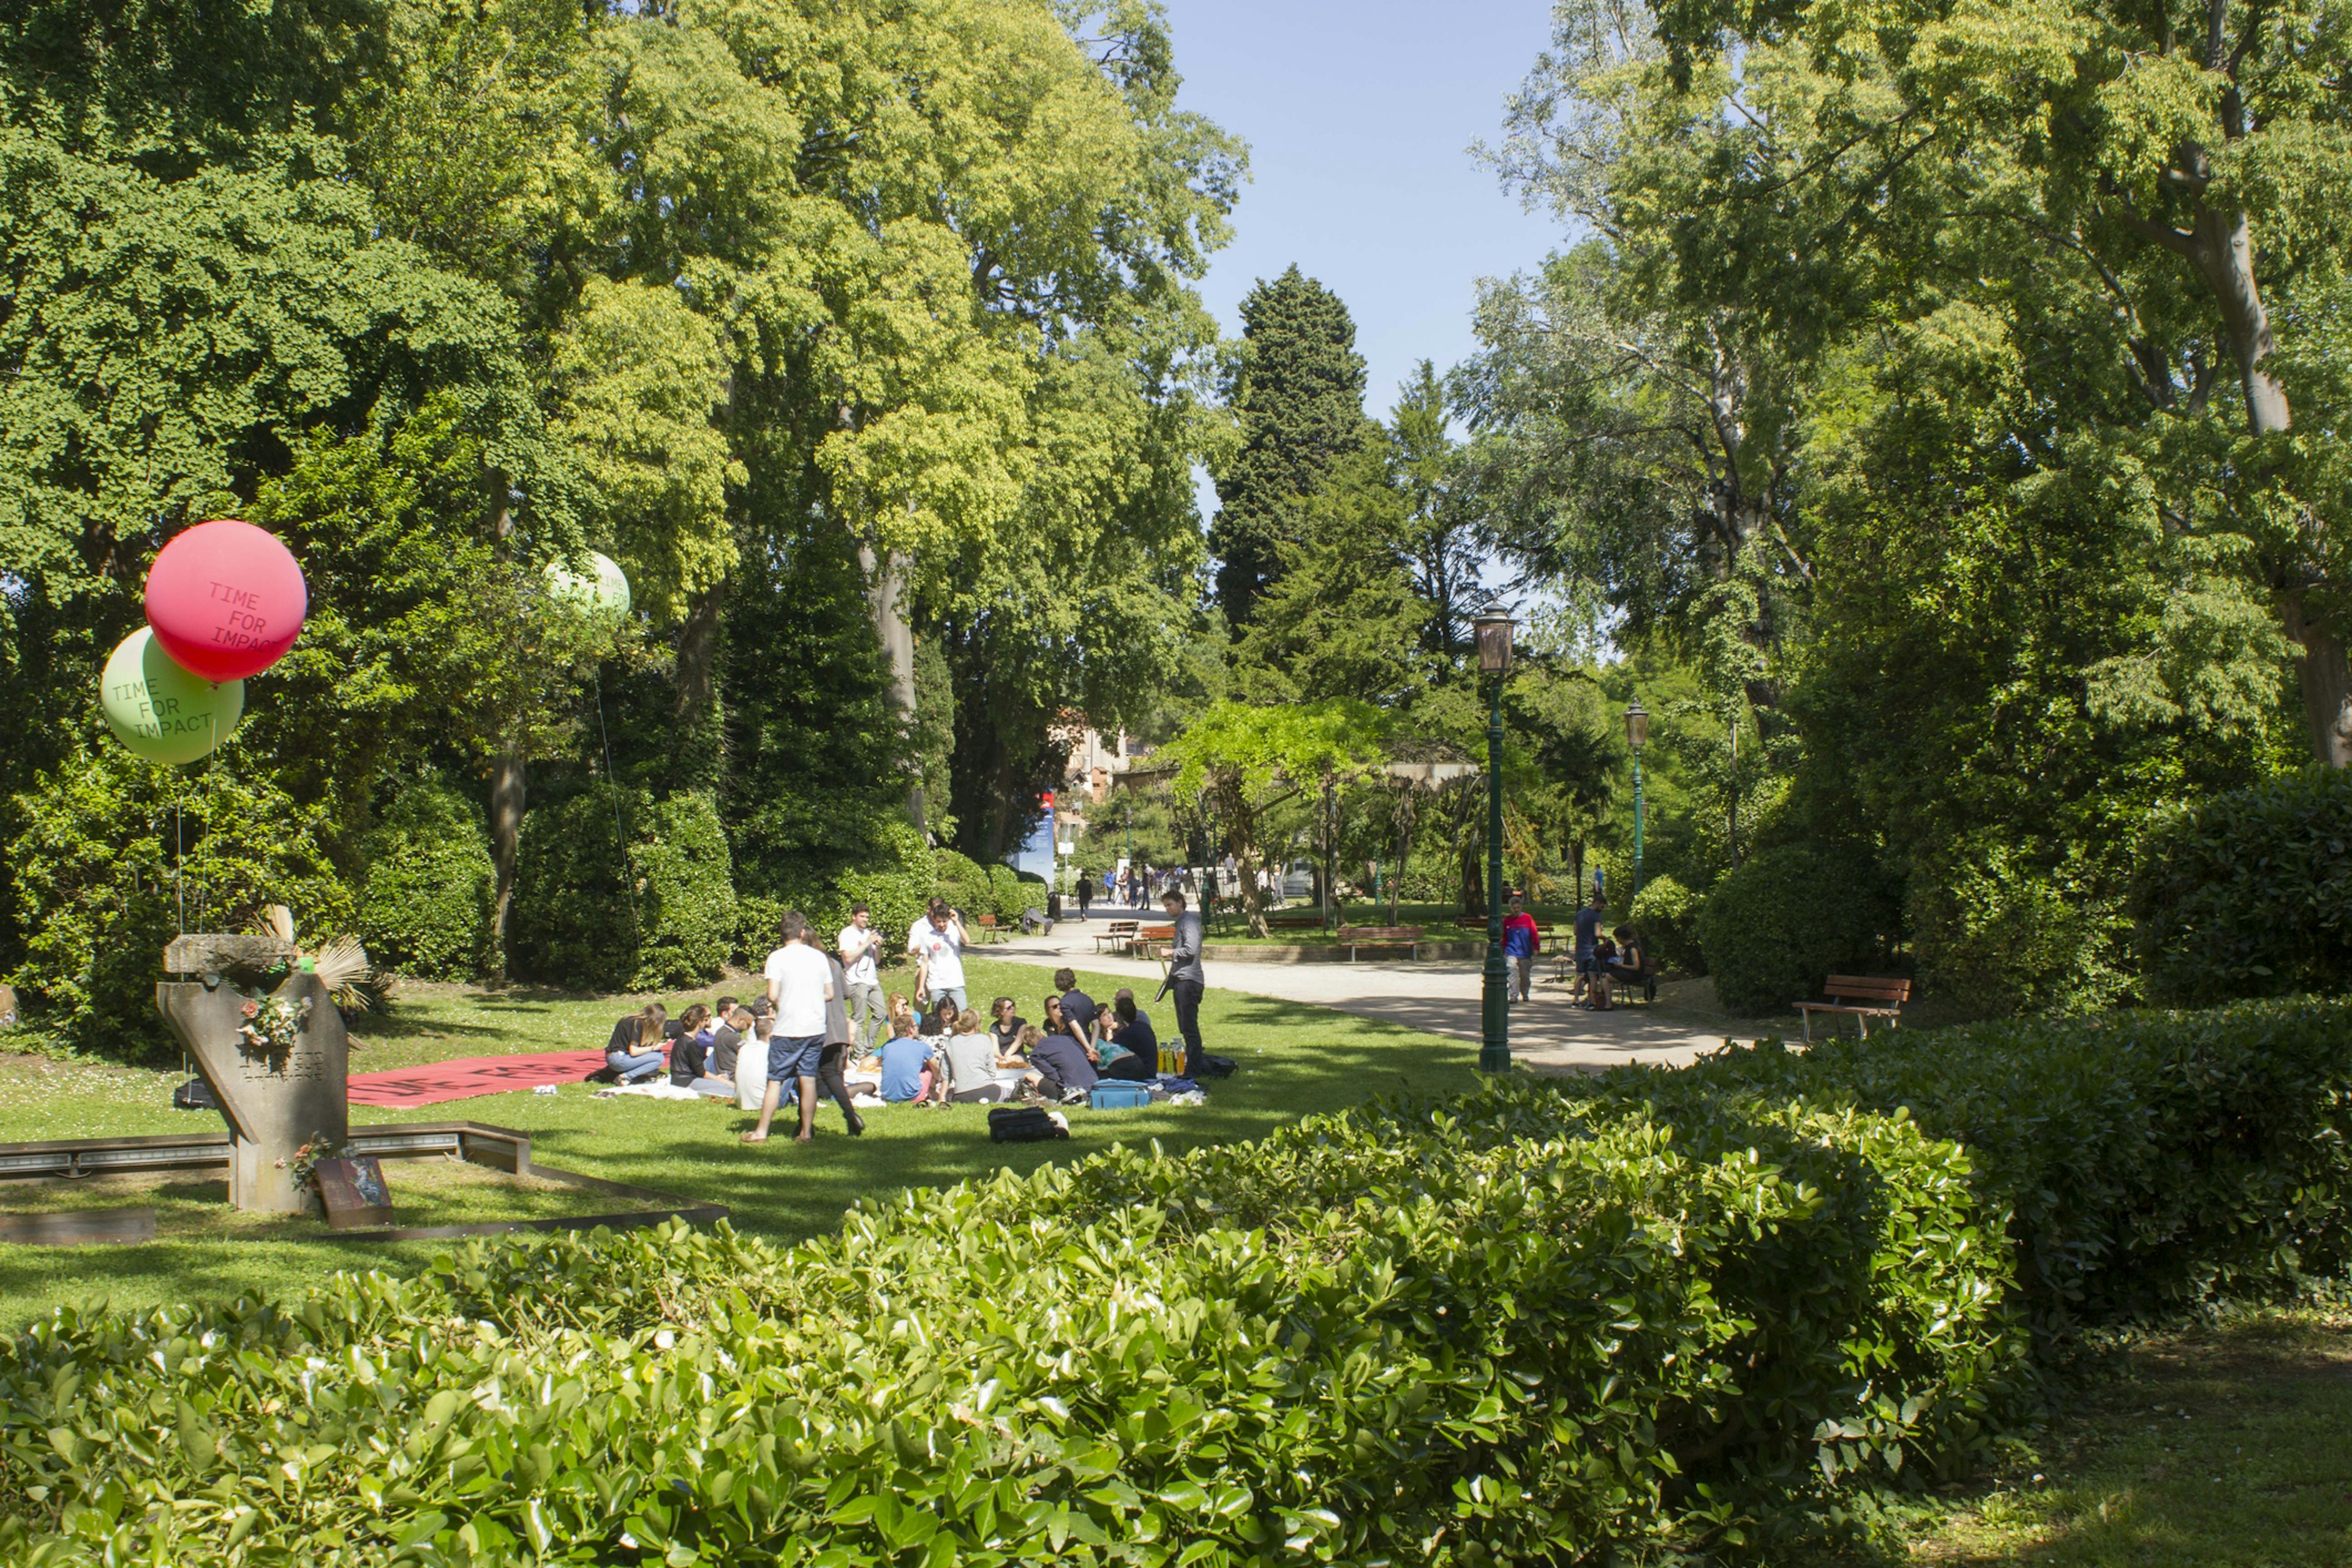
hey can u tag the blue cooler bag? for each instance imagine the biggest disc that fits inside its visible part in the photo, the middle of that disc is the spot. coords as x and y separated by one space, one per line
1119 1096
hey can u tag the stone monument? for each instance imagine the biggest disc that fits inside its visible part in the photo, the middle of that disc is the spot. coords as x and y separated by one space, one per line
278 1092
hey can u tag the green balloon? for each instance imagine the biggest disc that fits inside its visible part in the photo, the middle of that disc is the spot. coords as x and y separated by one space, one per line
159 709
606 594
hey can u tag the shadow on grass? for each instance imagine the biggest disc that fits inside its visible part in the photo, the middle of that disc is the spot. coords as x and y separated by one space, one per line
1296 1061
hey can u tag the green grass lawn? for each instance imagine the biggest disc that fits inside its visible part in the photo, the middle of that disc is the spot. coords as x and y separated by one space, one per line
2225 1447
1295 1060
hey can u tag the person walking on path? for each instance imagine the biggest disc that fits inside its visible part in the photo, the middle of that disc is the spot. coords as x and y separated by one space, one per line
800 983
1185 978
938 942
861 945
1086 894
1521 936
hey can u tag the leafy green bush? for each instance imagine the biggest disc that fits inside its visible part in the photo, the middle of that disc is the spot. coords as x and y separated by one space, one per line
964 882
1778 924
896 880
116 857
576 921
1665 915
1516 1327
424 907
1014 896
1998 934
2144 1160
1623 1317
2249 892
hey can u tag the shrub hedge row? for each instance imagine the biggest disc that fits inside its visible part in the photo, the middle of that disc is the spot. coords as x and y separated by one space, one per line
1657 1311
1504 1329
2250 892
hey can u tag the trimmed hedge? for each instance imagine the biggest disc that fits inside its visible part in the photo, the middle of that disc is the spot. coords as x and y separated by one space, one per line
1507 1328
2250 892
1655 1312
2141 1162
576 921
424 907
1786 919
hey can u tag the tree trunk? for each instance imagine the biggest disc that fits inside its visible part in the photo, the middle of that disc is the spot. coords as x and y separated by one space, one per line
506 841
2325 674
1474 877
507 775
886 586
698 660
2223 247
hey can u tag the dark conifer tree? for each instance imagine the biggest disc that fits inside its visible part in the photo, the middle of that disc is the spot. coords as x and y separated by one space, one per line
1299 391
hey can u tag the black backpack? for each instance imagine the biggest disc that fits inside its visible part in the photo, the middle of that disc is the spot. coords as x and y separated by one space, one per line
194 1095
1217 1067
1022 1124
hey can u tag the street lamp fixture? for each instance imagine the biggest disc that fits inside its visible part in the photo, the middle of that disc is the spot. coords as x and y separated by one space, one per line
1637 735
1494 628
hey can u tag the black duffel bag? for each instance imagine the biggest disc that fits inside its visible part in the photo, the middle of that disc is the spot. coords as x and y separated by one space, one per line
1022 1124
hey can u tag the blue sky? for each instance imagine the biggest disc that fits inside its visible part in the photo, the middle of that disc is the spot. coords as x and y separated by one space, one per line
1358 116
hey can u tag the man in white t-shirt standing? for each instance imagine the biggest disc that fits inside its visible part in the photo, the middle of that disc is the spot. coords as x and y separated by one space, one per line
937 941
861 945
800 982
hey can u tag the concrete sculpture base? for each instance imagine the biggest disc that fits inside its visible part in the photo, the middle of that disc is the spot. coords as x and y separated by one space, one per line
275 1100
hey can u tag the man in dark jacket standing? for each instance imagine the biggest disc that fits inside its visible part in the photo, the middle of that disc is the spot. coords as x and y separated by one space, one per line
1185 977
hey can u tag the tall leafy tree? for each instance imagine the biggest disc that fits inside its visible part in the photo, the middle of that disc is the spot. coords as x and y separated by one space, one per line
1441 538
1298 391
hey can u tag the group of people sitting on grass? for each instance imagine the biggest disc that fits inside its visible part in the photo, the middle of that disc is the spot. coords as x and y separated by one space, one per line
824 1026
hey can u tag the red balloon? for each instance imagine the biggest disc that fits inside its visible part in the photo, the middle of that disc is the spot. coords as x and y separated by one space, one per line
225 599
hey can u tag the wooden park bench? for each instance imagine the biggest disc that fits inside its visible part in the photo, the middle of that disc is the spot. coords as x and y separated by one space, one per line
1294 923
1120 935
1863 996
1369 936
989 930
1148 940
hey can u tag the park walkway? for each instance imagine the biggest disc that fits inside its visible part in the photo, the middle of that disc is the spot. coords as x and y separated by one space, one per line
1441 998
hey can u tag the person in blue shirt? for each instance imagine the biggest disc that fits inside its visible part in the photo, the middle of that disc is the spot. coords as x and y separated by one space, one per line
1589 974
906 1071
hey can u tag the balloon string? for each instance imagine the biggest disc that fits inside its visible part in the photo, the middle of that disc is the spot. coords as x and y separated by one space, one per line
620 835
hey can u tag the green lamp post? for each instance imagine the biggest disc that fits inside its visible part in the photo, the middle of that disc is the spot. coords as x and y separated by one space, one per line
1637 735
1494 629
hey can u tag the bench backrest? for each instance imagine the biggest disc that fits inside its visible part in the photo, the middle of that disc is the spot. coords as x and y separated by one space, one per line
988 920
1122 927
1156 933
1379 934
1867 988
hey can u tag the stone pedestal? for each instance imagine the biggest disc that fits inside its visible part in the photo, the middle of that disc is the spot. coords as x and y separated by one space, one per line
275 1101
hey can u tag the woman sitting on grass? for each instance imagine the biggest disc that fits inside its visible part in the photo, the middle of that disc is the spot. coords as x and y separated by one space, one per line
975 1070
1005 1026
635 1051
690 1038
